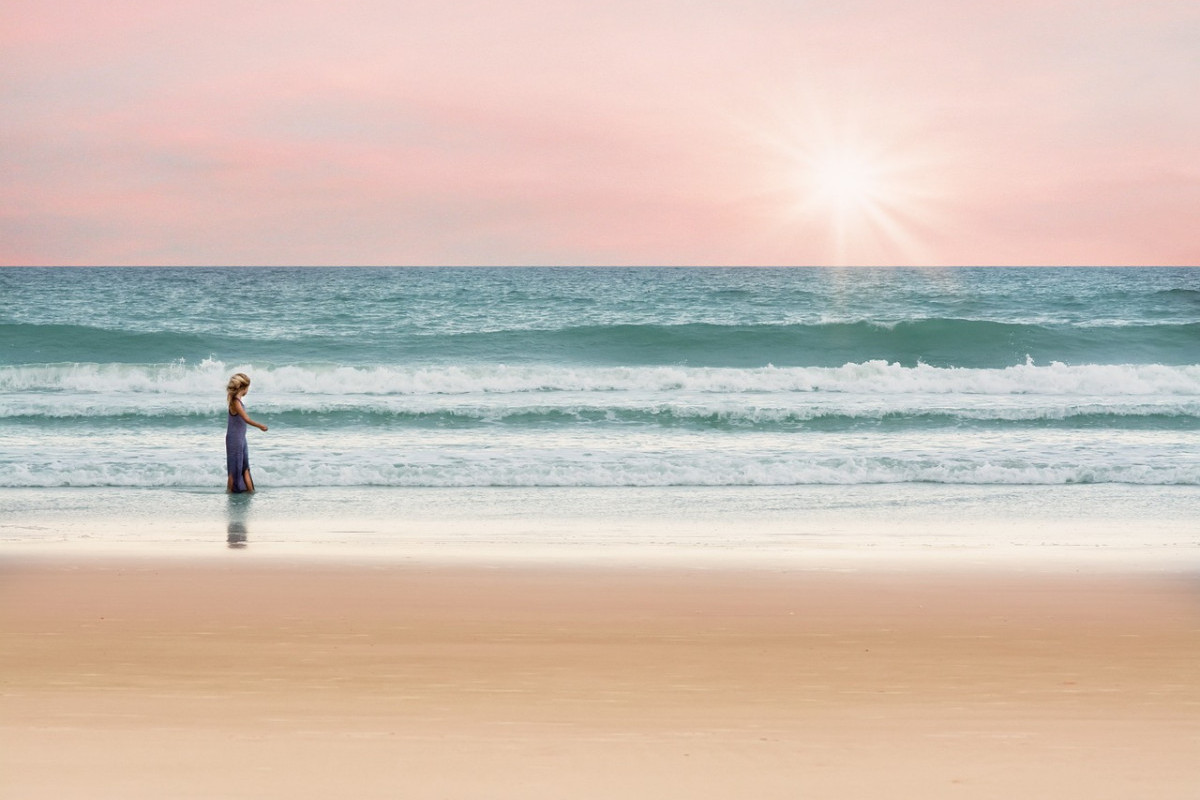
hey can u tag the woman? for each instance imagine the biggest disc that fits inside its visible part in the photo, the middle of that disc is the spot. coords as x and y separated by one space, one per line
237 455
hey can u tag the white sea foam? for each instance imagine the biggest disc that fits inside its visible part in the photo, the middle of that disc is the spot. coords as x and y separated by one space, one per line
873 377
749 409
602 457
361 426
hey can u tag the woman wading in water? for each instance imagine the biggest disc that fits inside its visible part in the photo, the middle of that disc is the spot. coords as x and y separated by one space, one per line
237 455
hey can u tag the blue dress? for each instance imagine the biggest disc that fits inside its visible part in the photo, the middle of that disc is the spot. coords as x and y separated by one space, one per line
237 454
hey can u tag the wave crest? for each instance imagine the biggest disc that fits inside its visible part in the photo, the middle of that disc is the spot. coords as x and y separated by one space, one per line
877 377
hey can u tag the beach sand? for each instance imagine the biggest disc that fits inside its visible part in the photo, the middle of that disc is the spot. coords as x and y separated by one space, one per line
233 677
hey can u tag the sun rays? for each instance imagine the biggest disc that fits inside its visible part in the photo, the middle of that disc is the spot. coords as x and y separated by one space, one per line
855 187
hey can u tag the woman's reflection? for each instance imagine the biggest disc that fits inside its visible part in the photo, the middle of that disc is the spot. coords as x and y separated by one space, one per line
238 511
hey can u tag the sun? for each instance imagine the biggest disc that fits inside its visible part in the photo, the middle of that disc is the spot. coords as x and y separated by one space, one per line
854 188
845 181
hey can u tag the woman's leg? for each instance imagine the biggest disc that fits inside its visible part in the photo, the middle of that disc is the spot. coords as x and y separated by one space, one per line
229 485
248 480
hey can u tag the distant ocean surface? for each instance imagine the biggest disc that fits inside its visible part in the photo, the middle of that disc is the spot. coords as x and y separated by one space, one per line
505 377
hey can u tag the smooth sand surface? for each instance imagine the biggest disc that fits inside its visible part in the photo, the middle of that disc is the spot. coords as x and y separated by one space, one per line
236 678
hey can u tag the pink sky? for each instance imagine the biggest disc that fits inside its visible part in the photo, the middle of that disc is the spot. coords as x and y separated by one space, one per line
518 132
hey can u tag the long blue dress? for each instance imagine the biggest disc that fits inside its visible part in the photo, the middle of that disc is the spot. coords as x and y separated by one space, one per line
237 453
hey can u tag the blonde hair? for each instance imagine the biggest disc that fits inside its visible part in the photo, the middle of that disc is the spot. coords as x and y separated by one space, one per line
237 384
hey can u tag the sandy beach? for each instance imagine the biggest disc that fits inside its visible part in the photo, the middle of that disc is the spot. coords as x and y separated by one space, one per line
226 677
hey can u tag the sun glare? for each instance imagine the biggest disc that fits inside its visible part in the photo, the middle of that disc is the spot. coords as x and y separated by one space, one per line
869 190
844 181
863 196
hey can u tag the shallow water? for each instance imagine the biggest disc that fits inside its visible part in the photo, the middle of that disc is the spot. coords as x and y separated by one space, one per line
1103 526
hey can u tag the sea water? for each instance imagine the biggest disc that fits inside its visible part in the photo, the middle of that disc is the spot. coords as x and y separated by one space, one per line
792 397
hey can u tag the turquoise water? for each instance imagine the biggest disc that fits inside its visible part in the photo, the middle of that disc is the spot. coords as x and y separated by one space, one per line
538 378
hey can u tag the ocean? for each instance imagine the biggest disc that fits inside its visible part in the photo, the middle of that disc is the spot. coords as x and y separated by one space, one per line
657 393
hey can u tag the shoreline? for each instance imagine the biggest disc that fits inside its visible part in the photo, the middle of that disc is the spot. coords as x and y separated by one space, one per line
1105 528
304 678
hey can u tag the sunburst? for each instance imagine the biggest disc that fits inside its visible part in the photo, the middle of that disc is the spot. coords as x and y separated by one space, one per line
869 190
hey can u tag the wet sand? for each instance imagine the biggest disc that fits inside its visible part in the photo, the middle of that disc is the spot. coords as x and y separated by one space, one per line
136 678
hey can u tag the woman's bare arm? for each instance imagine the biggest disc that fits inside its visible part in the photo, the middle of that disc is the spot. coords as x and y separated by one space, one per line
241 412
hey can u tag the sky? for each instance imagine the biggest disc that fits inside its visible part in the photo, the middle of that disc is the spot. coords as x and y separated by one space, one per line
624 132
